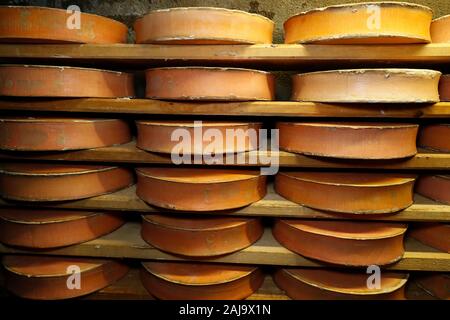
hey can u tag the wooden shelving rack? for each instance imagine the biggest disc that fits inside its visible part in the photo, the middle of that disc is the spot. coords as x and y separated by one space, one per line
126 241
273 205
129 153
275 55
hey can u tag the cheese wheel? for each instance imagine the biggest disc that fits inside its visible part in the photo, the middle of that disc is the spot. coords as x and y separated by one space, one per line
210 84
347 140
345 243
193 189
444 87
28 24
59 134
435 137
200 236
329 284
157 136
436 187
40 228
355 193
436 235
203 25
58 182
361 23
434 285
200 281
47 278
70 82
367 86
440 30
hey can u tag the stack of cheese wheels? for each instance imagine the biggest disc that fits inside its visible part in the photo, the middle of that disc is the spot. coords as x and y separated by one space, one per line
52 278
436 235
341 242
200 236
67 82
26 24
203 25
440 30
195 281
435 137
436 187
192 189
353 193
38 228
59 134
169 137
361 23
444 88
58 182
367 86
349 140
209 83
359 140
321 284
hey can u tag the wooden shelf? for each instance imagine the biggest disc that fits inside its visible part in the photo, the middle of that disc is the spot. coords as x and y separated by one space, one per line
236 55
273 205
256 109
128 153
126 242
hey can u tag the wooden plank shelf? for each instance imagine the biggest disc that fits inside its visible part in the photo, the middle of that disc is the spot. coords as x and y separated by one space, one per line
129 153
236 55
273 205
254 109
126 242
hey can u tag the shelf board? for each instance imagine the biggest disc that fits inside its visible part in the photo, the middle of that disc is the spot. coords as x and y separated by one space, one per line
236 55
128 153
256 109
273 205
126 242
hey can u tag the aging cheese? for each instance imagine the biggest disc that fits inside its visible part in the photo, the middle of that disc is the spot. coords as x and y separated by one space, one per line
330 284
58 182
361 23
69 82
59 134
46 278
367 86
203 25
210 84
345 243
440 30
200 281
27 24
